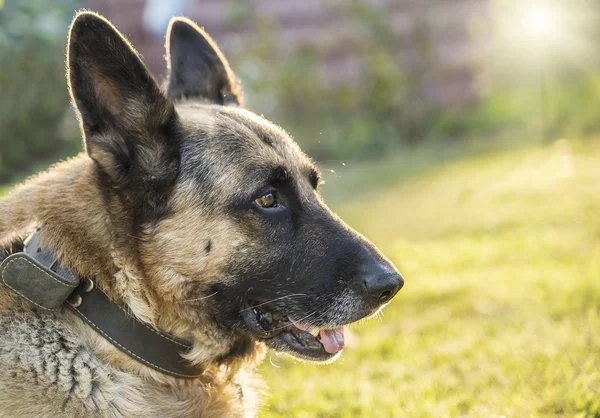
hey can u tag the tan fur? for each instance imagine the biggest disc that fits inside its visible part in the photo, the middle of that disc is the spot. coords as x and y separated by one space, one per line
67 205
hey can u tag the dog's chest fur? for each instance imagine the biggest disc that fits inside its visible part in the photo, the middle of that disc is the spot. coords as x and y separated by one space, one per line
46 370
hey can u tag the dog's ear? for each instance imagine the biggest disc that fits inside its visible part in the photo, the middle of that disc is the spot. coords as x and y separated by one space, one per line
197 67
127 122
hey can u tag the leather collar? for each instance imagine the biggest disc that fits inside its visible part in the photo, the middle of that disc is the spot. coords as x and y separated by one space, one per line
36 276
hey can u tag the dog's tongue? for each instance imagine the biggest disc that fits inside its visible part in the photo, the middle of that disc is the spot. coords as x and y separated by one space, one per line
332 339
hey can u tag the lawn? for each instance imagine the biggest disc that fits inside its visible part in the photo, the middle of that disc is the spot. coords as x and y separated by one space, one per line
500 314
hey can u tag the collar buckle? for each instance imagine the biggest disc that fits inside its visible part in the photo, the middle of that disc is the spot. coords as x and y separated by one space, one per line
35 275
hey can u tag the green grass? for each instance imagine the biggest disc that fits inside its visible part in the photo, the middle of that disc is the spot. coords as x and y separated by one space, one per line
500 314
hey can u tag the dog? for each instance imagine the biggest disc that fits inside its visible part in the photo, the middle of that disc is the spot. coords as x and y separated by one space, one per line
191 230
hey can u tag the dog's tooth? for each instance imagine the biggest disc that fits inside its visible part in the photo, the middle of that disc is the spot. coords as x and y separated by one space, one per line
256 311
314 331
268 317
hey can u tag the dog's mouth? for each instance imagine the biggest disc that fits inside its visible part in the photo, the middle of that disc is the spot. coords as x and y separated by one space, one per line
284 334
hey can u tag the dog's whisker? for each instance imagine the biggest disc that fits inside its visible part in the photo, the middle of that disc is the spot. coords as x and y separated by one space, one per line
314 321
273 364
306 316
300 320
197 299
273 300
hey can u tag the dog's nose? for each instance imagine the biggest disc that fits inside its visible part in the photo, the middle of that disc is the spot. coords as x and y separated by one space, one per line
383 286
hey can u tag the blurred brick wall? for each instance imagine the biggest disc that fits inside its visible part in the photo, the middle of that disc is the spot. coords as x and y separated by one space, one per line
316 22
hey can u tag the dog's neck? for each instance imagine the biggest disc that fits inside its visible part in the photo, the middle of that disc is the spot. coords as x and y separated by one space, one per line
71 211
74 215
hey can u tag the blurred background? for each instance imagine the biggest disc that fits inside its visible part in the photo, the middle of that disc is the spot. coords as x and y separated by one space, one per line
461 136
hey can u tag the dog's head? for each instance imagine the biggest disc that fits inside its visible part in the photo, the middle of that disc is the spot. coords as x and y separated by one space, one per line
217 207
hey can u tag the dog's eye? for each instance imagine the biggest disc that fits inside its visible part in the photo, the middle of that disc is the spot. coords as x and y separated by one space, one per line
268 200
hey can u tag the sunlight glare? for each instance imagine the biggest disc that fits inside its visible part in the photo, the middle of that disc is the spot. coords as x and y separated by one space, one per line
540 21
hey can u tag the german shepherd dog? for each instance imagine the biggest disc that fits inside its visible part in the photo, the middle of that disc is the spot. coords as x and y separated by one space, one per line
200 218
